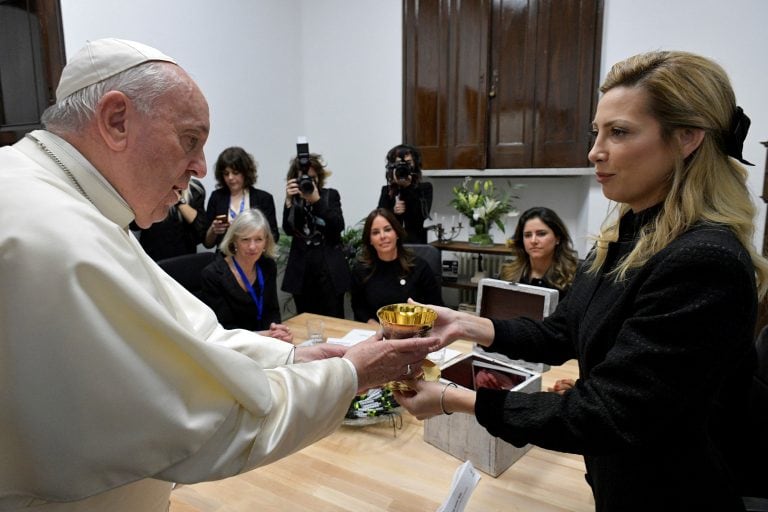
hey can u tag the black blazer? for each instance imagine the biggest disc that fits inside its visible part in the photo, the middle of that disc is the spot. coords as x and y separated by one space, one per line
234 307
418 203
664 359
386 286
174 236
218 204
328 208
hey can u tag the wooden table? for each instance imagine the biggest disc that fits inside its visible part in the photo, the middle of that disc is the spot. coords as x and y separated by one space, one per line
376 468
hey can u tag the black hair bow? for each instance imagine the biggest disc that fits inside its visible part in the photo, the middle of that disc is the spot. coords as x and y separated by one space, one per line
734 138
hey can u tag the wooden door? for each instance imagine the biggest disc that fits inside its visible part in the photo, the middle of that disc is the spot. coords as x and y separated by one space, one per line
31 61
446 60
569 38
513 63
501 83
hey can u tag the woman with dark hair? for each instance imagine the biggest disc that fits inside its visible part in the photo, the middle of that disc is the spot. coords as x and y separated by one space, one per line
544 254
316 274
660 317
405 194
236 174
388 273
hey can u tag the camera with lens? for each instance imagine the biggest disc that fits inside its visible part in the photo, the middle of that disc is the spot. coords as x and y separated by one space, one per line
400 170
305 182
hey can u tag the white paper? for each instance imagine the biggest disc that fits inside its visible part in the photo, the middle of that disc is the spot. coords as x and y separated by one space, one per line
353 337
464 482
450 353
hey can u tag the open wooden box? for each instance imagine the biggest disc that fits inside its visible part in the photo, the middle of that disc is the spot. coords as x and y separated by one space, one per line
461 435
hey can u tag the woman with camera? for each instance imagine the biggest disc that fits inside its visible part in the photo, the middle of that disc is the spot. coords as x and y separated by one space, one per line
317 274
405 195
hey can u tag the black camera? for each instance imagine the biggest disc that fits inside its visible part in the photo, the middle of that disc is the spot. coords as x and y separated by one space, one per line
400 170
305 182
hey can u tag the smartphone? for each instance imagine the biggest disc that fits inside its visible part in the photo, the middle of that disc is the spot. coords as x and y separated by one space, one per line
222 218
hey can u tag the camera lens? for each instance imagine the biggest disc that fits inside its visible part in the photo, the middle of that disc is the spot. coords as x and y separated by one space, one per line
306 184
402 170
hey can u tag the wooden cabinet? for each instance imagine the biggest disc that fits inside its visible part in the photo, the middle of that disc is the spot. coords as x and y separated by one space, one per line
501 83
30 64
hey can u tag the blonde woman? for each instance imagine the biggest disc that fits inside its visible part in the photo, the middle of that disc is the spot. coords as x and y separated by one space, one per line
241 287
661 319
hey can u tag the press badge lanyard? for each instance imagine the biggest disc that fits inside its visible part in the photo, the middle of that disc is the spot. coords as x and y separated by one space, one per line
259 300
233 213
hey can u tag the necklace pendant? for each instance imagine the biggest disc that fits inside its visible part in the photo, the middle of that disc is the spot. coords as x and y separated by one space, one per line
402 282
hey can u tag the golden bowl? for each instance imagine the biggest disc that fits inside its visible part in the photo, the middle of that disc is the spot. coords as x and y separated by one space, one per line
405 320
400 321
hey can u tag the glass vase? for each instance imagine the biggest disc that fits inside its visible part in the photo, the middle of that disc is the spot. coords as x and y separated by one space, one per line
481 236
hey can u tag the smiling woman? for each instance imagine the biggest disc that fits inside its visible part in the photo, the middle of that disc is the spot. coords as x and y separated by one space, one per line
386 272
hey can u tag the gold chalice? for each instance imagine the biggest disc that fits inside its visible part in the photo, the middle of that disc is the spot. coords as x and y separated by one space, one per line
400 321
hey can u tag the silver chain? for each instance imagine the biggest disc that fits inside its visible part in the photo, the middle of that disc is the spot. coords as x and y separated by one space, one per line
58 162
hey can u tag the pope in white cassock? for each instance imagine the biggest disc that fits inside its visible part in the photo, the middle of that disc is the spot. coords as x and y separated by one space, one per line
114 380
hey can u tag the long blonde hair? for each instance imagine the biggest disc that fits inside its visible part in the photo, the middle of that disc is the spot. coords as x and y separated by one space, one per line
687 91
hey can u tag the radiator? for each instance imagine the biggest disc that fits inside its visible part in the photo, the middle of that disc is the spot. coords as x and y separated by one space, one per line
468 265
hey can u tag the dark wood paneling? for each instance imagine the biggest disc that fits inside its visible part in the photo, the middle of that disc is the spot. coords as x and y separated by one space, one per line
466 136
501 83
446 52
565 85
513 73
31 61
425 77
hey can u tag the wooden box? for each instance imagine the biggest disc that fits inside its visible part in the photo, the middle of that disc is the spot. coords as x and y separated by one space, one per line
461 435
503 300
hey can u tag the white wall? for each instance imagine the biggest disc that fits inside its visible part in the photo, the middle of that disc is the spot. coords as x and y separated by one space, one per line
353 93
244 55
332 70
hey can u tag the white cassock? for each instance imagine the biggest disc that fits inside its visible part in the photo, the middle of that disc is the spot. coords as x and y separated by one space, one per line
114 380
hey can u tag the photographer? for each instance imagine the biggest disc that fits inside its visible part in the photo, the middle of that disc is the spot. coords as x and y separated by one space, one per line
316 274
405 194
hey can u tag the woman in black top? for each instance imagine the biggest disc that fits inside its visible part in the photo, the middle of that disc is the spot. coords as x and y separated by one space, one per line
543 250
182 230
316 273
241 286
405 195
661 316
388 273
236 174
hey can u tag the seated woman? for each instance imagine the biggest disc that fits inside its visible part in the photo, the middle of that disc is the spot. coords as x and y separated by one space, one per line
544 254
388 273
241 287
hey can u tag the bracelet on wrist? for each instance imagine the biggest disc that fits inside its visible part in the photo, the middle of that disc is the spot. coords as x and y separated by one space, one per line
442 397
